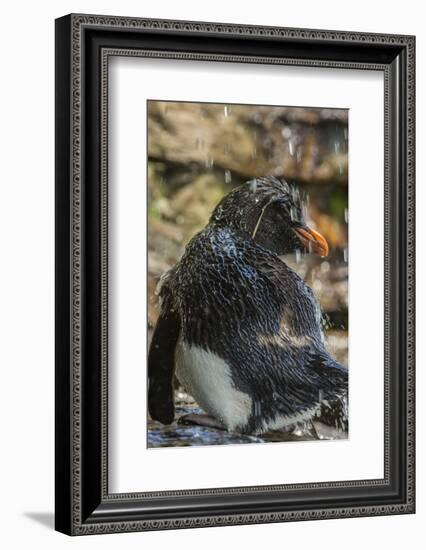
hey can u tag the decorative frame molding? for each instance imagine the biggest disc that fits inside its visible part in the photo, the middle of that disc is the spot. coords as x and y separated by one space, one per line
83 504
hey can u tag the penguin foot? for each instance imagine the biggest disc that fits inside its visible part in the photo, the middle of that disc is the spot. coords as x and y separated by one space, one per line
313 430
323 431
203 420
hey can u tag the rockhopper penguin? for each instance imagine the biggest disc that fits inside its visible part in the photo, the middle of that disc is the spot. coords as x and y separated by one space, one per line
241 330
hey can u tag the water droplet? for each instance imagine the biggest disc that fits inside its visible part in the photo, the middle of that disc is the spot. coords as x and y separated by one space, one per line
298 255
226 111
286 132
345 255
346 215
295 193
199 143
253 186
325 267
228 176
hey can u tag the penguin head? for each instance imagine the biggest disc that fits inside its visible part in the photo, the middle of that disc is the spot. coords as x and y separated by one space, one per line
271 212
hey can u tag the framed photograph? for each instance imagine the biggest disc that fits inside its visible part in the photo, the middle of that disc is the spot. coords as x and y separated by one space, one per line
234 274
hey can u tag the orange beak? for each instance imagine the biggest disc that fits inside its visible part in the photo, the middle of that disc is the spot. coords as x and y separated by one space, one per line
314 241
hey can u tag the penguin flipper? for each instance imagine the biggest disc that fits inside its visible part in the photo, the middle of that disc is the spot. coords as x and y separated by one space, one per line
161 367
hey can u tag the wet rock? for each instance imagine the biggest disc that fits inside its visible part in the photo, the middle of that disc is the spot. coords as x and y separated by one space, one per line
193 204
307 145
179 435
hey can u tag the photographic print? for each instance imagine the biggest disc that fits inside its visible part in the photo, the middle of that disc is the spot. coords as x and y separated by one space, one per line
247 274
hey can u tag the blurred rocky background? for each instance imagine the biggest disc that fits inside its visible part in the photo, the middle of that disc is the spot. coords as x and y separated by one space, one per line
198 152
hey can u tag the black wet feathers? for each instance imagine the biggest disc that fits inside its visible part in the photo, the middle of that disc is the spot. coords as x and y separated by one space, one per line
239 300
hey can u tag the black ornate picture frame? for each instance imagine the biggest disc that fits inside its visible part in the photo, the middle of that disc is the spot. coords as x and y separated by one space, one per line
84 44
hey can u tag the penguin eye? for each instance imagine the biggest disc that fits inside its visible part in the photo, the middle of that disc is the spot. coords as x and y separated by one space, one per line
293 211
287 211
279 210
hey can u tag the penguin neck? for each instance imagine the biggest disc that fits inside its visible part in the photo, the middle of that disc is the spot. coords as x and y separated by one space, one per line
232 228
225 235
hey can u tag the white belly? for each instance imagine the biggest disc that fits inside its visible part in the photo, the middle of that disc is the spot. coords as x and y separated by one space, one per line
208 379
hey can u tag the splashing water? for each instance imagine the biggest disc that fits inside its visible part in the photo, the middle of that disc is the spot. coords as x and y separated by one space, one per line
253 186
298 256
